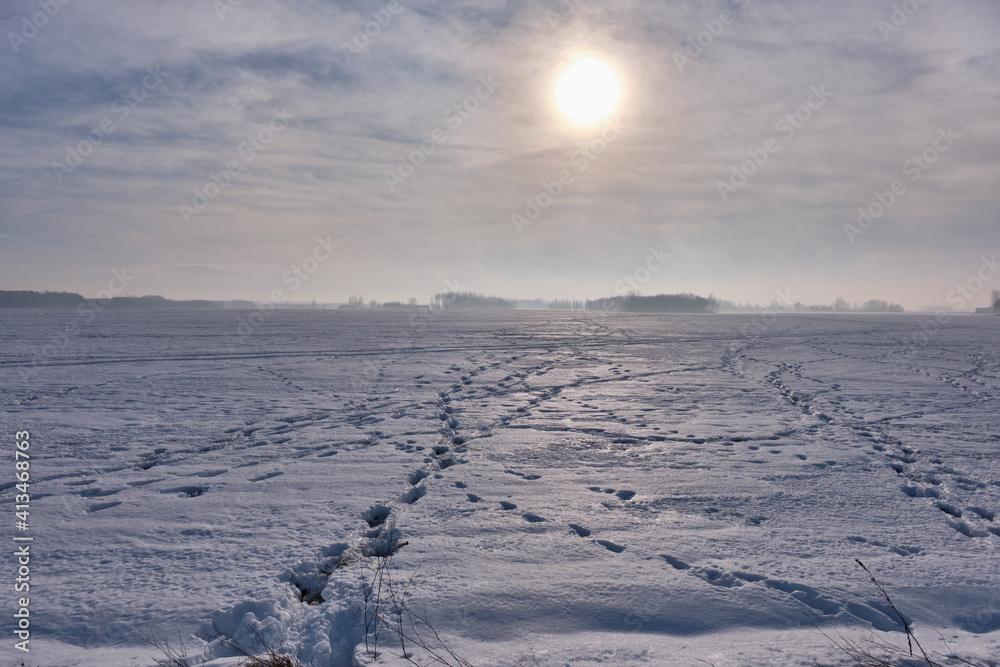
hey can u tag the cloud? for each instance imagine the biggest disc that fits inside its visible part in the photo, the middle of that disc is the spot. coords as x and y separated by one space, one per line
357 111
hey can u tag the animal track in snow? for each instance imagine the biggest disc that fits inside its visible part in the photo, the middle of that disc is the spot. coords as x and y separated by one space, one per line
97 493
984 513
915 491
624 494
413 495
807 595
417 476
383 542
875 613
522 475
97 507
187 491
580 530
902 551
968 530
611 546
310 577
212 473
675 563
144 482
716 577
949 509
376 515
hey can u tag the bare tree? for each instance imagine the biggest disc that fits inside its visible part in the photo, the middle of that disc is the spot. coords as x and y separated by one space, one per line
996 301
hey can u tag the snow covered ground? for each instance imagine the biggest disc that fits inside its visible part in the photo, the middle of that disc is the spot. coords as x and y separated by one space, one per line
583 487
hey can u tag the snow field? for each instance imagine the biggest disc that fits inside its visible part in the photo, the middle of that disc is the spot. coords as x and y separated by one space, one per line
592 488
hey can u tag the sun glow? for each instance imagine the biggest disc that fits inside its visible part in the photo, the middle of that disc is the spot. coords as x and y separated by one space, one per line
587 91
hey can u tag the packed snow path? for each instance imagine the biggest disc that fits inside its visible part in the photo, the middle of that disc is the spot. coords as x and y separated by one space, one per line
593 487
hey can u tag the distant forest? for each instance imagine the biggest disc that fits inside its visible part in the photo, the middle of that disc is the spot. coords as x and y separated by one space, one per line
39 299
660 303
631 303
628 303
71 300
838 306
472 300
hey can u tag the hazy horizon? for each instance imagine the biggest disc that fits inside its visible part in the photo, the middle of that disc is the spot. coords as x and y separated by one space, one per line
208 149
780 304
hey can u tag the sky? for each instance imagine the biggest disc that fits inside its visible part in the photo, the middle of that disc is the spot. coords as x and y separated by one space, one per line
309 149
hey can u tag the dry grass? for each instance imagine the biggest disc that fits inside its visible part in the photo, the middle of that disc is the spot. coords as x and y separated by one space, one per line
387 608
875 652
261 652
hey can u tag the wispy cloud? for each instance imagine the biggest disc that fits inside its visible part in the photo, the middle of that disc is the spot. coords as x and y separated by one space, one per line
357 112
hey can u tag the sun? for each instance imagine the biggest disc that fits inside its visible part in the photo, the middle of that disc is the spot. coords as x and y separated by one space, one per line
587 92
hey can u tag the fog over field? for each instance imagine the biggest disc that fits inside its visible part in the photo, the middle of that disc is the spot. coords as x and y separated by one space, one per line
343 333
